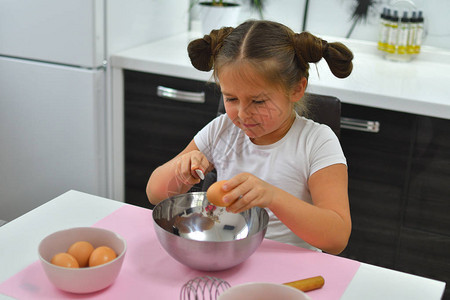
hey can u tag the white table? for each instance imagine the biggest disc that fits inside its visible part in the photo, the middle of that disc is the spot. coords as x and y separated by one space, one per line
19 240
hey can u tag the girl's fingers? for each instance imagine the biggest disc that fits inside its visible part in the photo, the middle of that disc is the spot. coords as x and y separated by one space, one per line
182 172
246 198
234 183
241 202
199 165
190 168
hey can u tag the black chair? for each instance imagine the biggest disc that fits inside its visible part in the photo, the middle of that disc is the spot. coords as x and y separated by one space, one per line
321 108
325 110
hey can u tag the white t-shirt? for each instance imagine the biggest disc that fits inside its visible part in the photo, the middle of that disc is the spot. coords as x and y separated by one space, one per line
287 164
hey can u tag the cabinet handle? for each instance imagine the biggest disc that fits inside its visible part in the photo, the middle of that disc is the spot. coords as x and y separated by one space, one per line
360 125
184 96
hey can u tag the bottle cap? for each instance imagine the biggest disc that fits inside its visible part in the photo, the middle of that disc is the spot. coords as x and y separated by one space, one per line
420 17
404 18
388 13
395 16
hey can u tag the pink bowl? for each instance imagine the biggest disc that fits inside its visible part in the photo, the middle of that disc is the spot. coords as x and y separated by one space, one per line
82 280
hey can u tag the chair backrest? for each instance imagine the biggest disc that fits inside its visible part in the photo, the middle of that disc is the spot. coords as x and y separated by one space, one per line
325 110
321 108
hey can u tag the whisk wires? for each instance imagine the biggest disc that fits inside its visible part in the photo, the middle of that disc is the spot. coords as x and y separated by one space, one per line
203 288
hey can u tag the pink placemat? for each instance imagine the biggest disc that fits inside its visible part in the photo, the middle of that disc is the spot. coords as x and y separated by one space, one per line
149 272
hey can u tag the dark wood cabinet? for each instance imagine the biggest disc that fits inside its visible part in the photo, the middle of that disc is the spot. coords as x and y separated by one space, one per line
428 205
377 167
158 128
399 189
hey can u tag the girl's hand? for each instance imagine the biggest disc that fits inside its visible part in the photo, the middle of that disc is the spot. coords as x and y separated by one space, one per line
245 191
187 164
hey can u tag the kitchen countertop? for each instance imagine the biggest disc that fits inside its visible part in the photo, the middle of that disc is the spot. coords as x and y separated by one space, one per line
420 86
20 272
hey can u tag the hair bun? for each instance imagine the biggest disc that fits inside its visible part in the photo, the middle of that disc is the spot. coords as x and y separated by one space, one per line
203 51
339 59
311 49
308 47
200 53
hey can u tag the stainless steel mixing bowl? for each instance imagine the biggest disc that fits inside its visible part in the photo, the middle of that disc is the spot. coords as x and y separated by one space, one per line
204 237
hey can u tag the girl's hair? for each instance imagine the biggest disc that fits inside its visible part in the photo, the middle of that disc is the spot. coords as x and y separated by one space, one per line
276 52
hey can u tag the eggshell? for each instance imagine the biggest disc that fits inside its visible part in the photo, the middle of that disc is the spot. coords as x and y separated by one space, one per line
215 193
65 260
101 255
81 251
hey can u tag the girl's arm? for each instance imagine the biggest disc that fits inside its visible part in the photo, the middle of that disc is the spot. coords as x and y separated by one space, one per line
325 224
178 175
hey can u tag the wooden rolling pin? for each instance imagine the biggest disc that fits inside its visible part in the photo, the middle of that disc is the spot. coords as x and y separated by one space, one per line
307 284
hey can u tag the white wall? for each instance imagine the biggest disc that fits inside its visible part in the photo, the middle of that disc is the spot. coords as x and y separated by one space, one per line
288 12
333 17
132 23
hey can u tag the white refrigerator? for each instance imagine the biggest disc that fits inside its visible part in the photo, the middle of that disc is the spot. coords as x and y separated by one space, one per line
55 91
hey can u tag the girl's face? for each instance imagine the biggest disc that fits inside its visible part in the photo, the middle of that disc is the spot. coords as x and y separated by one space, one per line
263 111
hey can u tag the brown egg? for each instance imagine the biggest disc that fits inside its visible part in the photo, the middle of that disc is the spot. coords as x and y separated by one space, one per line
81 251
215 194
65 260
101 255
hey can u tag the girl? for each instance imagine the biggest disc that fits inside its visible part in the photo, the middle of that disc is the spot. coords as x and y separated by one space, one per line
271 156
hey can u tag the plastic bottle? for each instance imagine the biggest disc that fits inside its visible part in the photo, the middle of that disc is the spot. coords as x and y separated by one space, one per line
410 49
393 33
403 31
383 34
419 33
